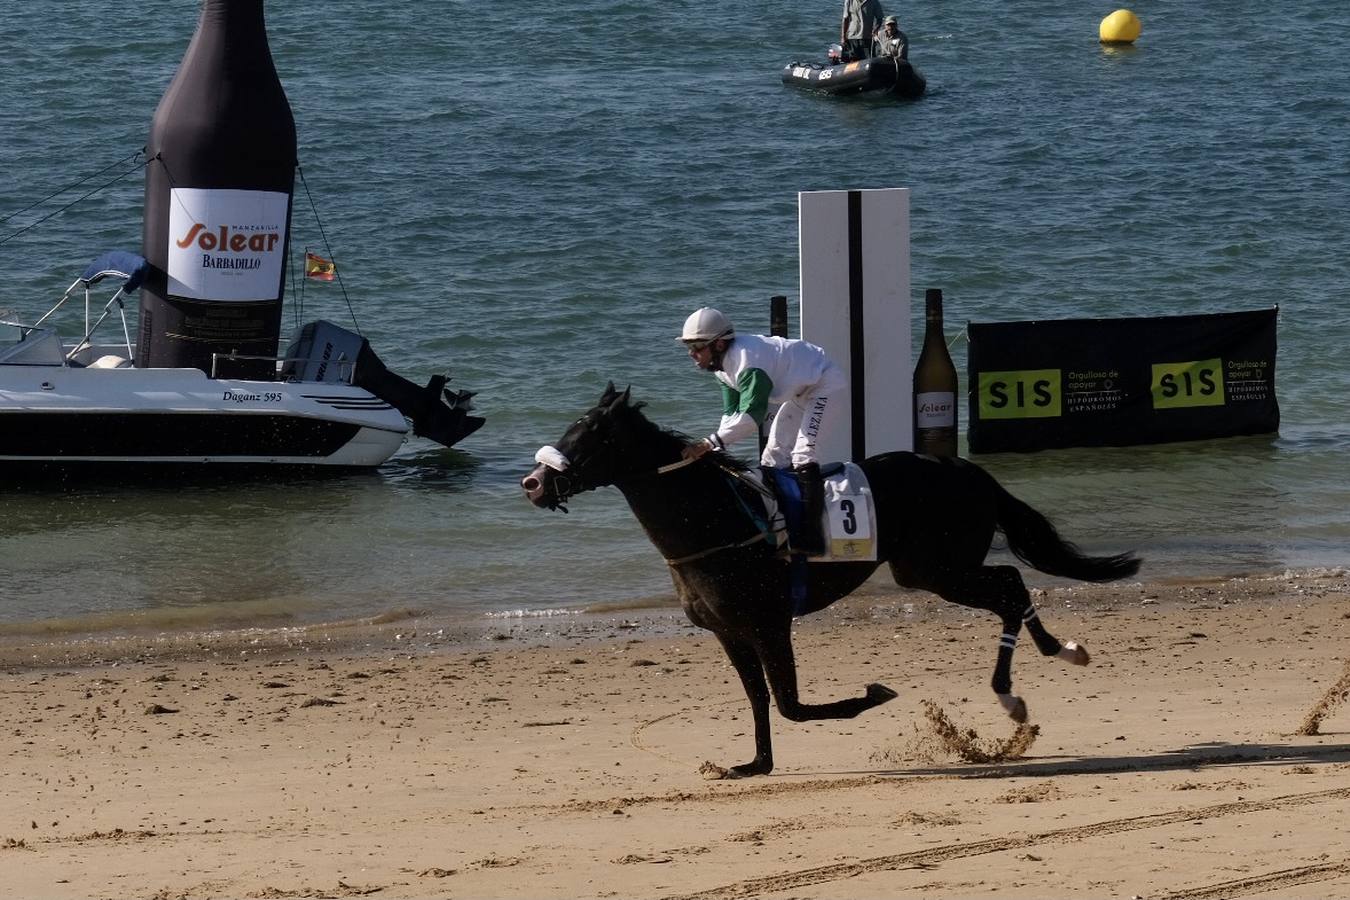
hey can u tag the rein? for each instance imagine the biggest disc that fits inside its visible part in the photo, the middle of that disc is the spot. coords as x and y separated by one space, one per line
711 550
671 467
554 459
739 476
729 470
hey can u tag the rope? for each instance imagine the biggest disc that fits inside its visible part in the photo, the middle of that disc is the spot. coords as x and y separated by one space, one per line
57 212
327 250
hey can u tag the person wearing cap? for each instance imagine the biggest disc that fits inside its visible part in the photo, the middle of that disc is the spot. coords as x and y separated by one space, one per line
891 41
859 26
755 372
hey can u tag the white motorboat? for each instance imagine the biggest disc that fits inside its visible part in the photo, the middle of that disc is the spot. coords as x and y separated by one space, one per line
332 403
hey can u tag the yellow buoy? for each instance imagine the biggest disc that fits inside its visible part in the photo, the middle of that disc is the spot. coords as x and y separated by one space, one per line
1121 27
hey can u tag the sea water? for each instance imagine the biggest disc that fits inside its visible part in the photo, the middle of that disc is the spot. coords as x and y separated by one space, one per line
534 206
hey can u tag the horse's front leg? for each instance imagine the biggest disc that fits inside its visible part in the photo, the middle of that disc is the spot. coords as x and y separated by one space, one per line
746 661
779 663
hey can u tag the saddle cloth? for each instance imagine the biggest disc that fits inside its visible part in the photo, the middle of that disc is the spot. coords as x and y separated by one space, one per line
849 517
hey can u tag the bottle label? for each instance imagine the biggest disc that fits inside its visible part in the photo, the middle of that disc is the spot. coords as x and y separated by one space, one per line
935 409
226 244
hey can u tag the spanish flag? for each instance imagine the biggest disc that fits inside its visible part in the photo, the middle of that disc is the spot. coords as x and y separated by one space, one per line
318 268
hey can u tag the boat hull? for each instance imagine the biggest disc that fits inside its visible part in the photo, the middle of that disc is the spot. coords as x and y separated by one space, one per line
877 74
66 415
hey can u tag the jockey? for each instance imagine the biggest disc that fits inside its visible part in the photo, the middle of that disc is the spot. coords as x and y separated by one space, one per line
756 371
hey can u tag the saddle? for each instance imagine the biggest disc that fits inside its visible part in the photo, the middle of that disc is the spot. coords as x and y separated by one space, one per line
849 515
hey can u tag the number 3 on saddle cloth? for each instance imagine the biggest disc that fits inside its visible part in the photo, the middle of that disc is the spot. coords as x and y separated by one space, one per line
850 535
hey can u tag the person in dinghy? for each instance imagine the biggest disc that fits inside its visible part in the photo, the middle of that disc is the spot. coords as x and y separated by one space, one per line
755 372
891 41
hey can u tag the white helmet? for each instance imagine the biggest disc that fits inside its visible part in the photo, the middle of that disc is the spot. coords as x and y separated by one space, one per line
706 324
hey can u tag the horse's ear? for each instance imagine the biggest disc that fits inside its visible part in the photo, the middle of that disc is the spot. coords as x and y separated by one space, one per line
627 393
617 401
608 396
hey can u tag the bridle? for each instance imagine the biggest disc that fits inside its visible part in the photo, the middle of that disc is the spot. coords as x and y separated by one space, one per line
565 487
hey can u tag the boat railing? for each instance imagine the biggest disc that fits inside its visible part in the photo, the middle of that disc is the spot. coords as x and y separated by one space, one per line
23 328
86 339
346 367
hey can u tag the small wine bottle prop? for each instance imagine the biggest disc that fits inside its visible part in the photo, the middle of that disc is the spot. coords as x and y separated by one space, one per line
934 385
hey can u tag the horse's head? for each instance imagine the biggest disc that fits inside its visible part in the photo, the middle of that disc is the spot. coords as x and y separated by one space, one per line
600 448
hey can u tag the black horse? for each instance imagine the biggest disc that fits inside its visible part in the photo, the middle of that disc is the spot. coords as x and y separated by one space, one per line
936 519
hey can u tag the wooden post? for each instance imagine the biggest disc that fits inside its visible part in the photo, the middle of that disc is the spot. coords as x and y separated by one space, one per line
778 327
778 323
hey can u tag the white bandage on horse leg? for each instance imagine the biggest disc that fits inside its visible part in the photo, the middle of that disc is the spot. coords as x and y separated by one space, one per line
552 457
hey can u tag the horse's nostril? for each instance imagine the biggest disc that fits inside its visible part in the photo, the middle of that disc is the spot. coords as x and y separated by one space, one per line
530 484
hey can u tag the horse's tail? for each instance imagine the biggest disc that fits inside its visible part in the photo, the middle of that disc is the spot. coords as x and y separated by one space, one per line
1034 540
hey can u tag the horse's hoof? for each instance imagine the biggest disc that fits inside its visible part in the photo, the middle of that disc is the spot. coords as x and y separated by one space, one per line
747 770
1014 706
1074 654
879 693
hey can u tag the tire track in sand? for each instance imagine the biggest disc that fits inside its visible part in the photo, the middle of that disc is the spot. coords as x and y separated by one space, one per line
933 855
1271 881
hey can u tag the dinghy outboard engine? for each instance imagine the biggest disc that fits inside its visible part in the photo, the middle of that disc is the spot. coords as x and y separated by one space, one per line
325 352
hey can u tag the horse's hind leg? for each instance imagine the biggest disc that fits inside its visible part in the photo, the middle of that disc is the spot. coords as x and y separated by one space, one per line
779 663
746 661
1000 590
1048 644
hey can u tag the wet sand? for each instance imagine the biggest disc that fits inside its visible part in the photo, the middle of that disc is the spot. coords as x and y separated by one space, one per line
562 758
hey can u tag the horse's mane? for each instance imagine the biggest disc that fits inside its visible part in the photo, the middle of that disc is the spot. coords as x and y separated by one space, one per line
638 421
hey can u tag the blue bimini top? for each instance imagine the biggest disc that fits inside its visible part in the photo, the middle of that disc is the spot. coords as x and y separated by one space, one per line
131 267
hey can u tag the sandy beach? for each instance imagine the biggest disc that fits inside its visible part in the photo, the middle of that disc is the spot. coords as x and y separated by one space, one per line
562 759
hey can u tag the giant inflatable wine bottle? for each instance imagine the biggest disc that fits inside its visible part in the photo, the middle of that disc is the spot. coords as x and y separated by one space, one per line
218 201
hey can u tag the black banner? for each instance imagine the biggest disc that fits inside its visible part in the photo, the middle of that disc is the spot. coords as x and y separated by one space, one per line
1117 382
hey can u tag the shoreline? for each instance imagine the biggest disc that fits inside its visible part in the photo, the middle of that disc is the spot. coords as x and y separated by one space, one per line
568 764
407 631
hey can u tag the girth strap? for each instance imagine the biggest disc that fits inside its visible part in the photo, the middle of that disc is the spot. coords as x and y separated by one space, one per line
711 550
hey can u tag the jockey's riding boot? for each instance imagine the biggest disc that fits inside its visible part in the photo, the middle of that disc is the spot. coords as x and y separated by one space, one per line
811 540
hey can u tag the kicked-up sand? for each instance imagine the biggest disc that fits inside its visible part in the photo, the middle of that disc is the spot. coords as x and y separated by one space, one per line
563 759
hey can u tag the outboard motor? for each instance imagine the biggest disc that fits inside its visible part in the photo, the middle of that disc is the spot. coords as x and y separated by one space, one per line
325 352
435 411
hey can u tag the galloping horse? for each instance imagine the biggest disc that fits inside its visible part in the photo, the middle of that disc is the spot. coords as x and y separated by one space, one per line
936 520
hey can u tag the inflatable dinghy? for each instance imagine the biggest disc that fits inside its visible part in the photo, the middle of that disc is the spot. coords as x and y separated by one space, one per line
875 74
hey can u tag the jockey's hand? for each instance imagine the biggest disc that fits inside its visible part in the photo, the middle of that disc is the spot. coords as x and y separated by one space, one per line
696 450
